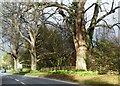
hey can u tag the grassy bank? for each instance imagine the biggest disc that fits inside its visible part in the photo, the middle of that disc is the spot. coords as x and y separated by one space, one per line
82 77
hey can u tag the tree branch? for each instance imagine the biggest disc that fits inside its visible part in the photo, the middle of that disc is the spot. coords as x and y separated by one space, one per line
109 26
89 7
108 13
23 36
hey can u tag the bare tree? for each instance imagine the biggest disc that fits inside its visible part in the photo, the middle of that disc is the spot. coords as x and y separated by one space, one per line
28 26
10 35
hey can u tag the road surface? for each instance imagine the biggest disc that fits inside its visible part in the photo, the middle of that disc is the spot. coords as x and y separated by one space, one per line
20 80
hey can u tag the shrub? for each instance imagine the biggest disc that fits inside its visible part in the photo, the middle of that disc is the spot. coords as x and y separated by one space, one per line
12 71
26 70
34 71
105 56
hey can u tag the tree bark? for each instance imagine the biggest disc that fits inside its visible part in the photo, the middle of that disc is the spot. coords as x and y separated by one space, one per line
33 59
16 63
80 38
80 58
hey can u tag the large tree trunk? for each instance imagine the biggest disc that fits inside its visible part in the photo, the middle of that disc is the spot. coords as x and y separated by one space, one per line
80 58
80 37
81 47
16 63
33 59
16 58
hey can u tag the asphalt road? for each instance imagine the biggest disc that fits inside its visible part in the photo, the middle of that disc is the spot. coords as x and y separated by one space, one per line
20 80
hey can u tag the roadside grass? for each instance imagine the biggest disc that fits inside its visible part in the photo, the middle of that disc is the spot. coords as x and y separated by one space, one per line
36 73
31 73
80 73
98 80
82 77
11 72
119 80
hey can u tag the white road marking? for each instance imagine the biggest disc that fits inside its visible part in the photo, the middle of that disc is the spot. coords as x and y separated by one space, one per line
22 83
11 77
17 80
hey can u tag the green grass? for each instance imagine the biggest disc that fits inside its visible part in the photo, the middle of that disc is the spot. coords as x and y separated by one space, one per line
32 73
109 80
35 73
80 73
11 72
119 80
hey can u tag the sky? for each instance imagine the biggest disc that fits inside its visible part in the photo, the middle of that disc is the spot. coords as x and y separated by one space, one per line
89 13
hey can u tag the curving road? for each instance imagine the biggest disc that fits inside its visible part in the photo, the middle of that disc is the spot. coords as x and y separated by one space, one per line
20 80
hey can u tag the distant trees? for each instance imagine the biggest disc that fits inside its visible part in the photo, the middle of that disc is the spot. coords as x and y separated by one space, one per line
6 61
9 32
